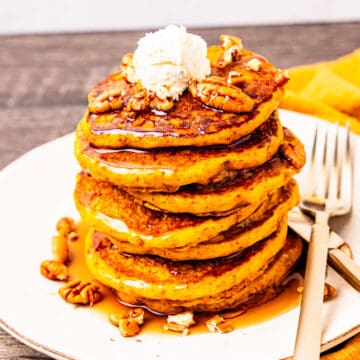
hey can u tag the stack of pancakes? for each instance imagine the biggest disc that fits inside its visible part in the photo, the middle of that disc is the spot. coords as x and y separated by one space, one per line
186 201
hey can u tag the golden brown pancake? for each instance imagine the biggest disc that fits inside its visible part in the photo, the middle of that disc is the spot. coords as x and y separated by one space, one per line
110 209
169 168
242 297
196 285
271 214
120 112
248 186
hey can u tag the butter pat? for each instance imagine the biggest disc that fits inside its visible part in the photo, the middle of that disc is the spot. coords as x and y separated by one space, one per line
167 60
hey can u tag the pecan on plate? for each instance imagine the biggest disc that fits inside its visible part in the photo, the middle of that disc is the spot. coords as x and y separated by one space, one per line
128 321
137 314
81 292
54 270
65 225
329 291
180 322
60 248
218 324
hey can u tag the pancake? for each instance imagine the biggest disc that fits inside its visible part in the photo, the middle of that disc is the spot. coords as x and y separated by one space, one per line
121 113
241 297
248 186
271 214
112 210
197 285
167 169
156 278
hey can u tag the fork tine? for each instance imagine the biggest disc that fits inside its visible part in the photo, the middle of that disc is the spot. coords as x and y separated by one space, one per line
330 160
345 193
319 164
340 175
335 167
311 185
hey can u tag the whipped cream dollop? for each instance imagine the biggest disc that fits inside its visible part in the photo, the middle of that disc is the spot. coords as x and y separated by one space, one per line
167 60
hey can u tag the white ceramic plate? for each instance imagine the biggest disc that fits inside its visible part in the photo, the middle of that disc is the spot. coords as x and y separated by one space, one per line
36 190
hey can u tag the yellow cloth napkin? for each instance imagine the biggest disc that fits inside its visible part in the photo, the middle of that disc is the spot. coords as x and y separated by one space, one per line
350 350
329 90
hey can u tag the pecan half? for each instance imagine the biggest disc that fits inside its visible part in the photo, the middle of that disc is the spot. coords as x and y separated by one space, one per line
54 270
81 292
109 99
215 92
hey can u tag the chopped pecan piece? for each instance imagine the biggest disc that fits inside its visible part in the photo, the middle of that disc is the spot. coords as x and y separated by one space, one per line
329 291
176 328
281 78
73 236
218 324
109 99
254 64
81 292
346 249
161 104
224 327
139 101
180 322
212 323
65 225
127 66
294 153
215 92
128 321
232 49
128 327
54 270
60 248
137 314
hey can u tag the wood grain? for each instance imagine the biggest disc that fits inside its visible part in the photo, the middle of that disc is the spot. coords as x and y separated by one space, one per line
44 81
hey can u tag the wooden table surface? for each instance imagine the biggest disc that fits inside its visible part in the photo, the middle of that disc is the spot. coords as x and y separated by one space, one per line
44 81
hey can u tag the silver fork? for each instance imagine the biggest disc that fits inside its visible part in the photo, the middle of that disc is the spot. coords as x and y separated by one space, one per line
327 192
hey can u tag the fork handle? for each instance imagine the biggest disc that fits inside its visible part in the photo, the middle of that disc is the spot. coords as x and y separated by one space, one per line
308 339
